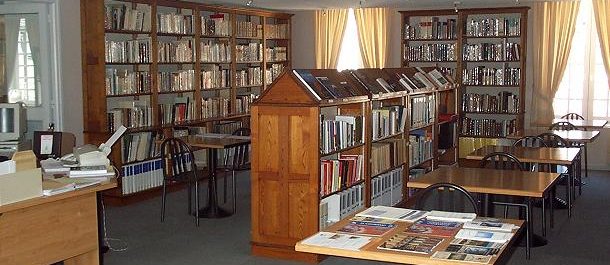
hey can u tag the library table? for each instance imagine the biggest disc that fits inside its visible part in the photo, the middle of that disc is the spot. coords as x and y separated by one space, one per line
371 252
585 124
213 142
569 157
51 229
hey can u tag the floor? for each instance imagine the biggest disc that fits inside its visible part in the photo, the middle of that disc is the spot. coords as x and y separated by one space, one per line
583 239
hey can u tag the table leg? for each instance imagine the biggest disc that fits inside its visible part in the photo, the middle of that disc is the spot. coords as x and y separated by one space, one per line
571 172
544 215
485 205
529 231
552 209
212 210
100 228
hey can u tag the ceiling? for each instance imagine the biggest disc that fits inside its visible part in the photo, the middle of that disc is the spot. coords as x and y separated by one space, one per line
291 5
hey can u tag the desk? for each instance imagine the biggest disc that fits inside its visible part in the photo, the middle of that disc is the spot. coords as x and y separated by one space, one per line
213 142
585 124
569 157
47 230
370 251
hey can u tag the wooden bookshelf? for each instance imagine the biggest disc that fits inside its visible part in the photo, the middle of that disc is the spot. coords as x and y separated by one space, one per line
426 27
194 76
289 197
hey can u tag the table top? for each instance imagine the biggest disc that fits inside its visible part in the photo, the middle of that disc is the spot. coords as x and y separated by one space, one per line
578 136
586 124
370 251
490 181
550 155
215 141
112 183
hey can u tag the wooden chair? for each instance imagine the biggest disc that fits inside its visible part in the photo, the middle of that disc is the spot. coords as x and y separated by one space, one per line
572 116
179 166
434 197
562 126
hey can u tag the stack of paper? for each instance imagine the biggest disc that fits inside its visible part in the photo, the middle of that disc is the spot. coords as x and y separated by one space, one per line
392 213
61 185
481 235
340 241
451 216
490 224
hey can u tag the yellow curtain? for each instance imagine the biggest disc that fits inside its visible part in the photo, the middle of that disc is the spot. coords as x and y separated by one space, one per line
330 25
601 8
373 31
553 30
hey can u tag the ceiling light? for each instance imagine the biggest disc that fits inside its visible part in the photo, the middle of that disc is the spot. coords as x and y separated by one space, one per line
455 4
249 2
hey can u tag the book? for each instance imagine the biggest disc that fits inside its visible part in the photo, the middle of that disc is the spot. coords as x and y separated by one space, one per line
451 216
475 243
393 213
474 250
442 255
88 170
367 228
60 185
436 228
489 224
481 235
312 84
403 242
339 241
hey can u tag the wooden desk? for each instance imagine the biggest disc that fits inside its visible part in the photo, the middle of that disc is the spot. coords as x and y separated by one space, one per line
47 230
585 124
213 142
370 251
575 136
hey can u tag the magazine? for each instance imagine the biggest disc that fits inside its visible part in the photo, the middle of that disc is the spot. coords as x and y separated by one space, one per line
451 216
436 228
340 241
474 250
482 235
392 213
490 224
461 257
367 228
476 243
411 243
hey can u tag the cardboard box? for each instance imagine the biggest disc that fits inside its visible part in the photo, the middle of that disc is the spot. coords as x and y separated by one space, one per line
19 186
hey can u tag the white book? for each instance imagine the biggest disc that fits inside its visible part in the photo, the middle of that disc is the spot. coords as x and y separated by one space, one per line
339 241
451 216
490 225
482 235
392 213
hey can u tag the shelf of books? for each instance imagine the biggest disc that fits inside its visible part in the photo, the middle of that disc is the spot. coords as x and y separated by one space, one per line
326 144
153 66
484 50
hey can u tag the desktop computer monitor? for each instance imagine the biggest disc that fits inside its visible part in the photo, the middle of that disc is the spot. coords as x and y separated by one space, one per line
12 121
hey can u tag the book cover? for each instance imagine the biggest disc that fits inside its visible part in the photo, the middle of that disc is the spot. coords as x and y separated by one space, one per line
411 243
461 257
366 228
437 228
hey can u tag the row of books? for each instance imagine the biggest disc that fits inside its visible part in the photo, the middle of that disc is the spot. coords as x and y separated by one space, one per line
338 206
122 82
432 28
175 23
421 147
215 25
423 110
182 110
251 76
139 146
215 52
243 102
340 173
124 17
276 31
273 72
386 189
488 127
503 26
215 108
504 102
486 76
387 154
340 132
388 121
448 71
249 29
215 77
435 52
141 176
505 51
179 51
181 80
253 52
130 114
278 53
130 51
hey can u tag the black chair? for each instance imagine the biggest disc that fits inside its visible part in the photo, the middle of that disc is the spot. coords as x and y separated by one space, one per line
553 140
501 160
442 196
530 141
573 116
179 166
236 158
562 126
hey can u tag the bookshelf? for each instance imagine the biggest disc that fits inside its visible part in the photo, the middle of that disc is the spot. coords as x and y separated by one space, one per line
155 65
483 49
326 144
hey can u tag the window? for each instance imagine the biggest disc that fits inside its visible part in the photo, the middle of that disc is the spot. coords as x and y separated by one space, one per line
25 91
349 53
584 87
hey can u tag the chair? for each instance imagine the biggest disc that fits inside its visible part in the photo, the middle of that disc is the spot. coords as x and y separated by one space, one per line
553 140
440 192
573 116
562 126
501 160
236 158
530 141
179 166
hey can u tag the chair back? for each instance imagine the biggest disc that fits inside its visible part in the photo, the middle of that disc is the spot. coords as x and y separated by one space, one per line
501 160
446 197
178 160
562 126
530 141
554 140
573 116
237 157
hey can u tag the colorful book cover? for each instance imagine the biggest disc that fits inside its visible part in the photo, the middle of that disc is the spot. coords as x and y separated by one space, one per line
437 228
366 228
411 243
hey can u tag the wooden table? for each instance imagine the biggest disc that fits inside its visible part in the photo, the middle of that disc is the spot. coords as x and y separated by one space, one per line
213 142
574 136
585 124
47 230
569 157
370 251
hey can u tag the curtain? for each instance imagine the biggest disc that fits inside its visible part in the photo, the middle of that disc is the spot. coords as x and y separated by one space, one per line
553 29
601 8
373 32
330 26
11 31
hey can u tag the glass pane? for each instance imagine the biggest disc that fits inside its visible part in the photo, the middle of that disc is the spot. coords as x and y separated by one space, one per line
600 108
576 84
32 96
21 61
575 106
349 54
30 71
560 107
562 92
21 71
31 82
